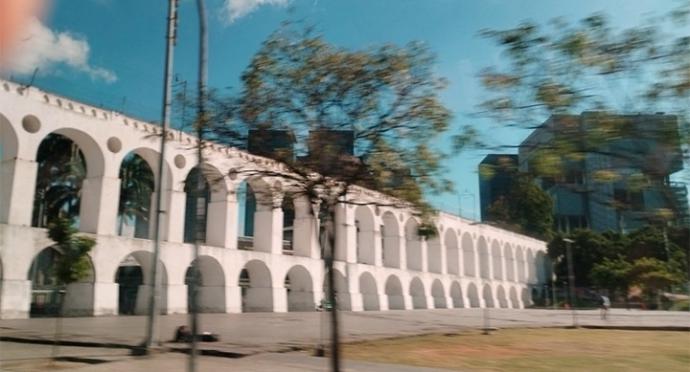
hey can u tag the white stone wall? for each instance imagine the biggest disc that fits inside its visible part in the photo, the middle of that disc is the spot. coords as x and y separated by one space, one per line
466 265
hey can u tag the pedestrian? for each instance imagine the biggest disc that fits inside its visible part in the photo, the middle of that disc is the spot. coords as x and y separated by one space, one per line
604 305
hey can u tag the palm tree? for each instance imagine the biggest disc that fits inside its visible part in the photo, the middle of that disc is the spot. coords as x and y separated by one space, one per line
61 171
136 188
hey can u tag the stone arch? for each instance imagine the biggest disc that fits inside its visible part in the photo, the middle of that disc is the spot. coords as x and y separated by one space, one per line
510 262
370 294
520 260
413 246
434 254
541 262
135 282
256 287
418 294
526 297
300 289
394 292
46 292
496 260
473 295
439 295
468 258
501 295
93 153
60 190
450 241
246 207
531 266
342 291
456 295
206 196
9 141
484 265
135 205
364 224
487 296
514 300
390 233
9 150
210 285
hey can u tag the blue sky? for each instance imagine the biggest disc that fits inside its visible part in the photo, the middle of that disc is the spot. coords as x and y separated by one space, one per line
112 50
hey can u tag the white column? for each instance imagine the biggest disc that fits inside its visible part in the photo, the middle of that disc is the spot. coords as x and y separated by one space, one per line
279 299
233 299
378 247
175 299
268 228
346 234
221 226
425 259
99 201
402 244
105 298
15 298
17 187
172 223
305 235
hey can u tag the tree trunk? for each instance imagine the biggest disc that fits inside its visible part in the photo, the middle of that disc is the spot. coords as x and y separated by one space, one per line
329 257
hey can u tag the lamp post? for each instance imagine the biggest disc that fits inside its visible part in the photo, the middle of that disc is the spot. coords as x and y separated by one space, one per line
461 197
571 278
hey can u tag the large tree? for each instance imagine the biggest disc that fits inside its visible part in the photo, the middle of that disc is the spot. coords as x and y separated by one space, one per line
358 118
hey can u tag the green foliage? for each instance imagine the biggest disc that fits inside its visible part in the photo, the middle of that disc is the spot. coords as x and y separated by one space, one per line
73 262
387 97
136 187
618 262
526 208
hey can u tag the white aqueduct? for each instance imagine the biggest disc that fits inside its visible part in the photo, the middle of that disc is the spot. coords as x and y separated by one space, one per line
381 262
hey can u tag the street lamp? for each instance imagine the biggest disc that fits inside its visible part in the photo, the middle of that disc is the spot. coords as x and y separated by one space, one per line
461 197
571 278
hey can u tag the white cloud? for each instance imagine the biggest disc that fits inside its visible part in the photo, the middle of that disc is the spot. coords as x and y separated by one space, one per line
236 9
46 50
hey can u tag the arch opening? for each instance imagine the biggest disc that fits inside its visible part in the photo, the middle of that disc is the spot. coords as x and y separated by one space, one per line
514 300
135 206
468 258
502 299
413 245
456 295
255 283
300 289
394 292
49 297
473 295
439 295
364 225
487 296
484 267
418 294
391 240
452 252
62 169
135 283
433 253
370 295
342 291
209 281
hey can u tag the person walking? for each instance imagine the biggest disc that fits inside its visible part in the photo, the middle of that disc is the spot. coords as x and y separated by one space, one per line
604 305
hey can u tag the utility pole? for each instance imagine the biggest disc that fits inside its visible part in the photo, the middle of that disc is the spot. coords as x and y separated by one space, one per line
200 126
571 279
152 324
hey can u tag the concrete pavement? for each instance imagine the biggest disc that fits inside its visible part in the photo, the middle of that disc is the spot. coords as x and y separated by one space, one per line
260 332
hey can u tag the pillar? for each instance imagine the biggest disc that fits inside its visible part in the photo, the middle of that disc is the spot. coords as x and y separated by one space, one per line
99 205
305 236
378 246
233 299
280 304
346 234
172 223
15 298
17 188
268 228
105 298
221 228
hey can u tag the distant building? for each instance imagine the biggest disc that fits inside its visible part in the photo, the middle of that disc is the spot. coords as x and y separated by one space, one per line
496 173
620 183
272 143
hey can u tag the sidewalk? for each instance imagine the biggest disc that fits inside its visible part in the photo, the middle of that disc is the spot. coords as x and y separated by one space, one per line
253 333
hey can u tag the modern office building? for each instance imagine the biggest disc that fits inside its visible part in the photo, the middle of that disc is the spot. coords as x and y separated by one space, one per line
496 174
608 172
